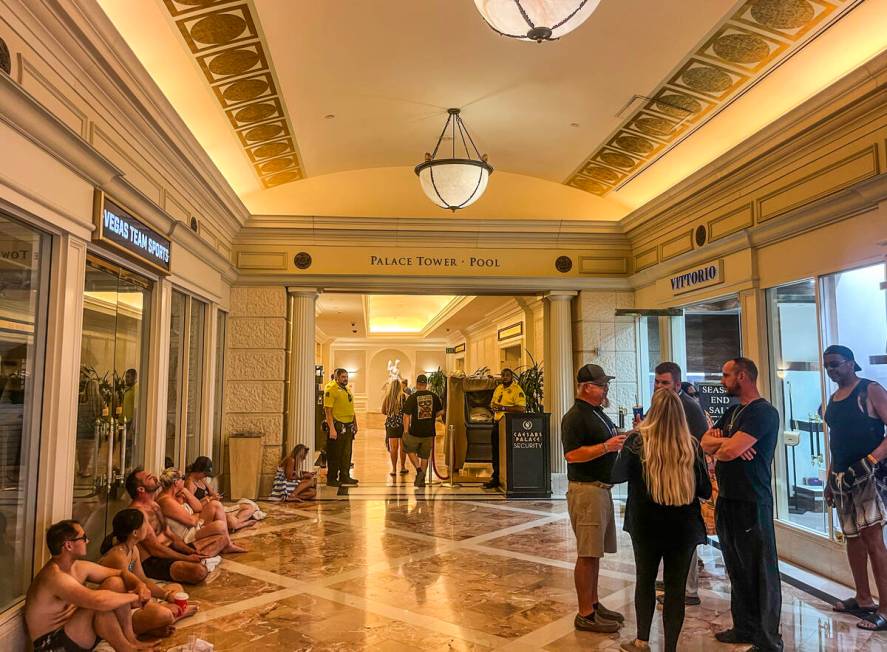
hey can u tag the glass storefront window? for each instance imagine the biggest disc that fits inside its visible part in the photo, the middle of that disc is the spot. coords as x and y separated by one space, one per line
221 323
174 381
651 355
195 380
110 433
796 383
854 314
184 402
24 256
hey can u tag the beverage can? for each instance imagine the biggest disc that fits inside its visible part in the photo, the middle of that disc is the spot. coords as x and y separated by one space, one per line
638 411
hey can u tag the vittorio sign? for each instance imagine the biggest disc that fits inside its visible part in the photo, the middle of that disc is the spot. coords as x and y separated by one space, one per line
115 226
698 277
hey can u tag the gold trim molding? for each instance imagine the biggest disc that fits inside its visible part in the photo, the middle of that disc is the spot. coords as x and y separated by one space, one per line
226 44
743 50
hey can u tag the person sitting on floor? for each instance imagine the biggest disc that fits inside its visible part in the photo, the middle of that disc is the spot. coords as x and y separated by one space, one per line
165 556
238 516
203 526
63 614
291 483
155 618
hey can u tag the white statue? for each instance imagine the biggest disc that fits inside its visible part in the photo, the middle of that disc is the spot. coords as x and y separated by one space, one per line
394 370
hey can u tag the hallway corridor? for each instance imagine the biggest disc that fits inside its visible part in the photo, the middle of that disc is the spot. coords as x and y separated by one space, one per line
388 575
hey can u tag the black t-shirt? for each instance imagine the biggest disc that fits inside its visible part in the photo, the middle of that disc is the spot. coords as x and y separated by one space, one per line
749 480
422 406
585 425
696 420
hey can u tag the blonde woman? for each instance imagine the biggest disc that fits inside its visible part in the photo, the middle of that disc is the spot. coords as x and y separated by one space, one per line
392 408
666 476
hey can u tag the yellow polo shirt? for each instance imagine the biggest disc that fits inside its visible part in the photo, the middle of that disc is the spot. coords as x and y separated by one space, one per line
340 400
508 397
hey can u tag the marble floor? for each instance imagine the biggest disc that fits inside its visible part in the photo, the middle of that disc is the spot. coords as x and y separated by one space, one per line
407 573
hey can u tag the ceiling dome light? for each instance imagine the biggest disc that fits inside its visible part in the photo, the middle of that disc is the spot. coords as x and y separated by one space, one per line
535 20
454 182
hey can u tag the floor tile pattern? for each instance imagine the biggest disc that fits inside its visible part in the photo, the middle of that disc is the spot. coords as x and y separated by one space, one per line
406 573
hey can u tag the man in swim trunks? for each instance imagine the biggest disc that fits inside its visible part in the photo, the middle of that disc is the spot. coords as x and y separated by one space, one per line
62 614
165 556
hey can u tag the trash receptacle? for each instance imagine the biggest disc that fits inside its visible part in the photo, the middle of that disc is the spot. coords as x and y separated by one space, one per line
245 464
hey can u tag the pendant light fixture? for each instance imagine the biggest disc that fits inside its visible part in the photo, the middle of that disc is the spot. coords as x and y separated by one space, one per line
535 20
454 182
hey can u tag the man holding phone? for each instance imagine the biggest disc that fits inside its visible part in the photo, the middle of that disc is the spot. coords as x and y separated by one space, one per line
590 445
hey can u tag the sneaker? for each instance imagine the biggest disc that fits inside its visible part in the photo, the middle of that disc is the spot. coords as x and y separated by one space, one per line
732 636
348 481
592 623
608 614
420 480
492 483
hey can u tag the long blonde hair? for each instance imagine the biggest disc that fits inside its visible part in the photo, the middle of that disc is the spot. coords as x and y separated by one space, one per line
393 398
669 454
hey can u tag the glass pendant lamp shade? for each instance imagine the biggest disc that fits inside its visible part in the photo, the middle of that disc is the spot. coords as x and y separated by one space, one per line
454 182
535 20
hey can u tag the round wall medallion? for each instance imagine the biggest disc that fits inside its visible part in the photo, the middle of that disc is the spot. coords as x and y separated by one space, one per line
5 59
563 264
701 235
302 260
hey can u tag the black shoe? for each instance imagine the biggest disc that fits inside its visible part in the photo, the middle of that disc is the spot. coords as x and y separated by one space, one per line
332 483
492 483
732 636
420 480
595 623
608 614
348 481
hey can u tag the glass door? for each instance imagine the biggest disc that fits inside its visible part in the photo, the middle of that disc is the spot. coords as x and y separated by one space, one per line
110 419
185 398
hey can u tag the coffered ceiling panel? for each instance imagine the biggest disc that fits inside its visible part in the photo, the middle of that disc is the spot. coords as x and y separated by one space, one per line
224 39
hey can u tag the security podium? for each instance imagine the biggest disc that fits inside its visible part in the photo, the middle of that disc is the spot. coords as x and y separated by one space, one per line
525 455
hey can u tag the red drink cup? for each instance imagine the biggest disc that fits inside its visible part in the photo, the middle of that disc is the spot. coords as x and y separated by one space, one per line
181 599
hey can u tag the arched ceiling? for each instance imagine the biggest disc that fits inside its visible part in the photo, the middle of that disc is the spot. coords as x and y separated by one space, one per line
557 119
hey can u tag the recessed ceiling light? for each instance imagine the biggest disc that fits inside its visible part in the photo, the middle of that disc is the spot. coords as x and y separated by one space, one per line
329 116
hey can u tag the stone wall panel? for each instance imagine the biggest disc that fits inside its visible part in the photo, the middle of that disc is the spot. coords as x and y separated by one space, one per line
254 396
248 364
270 425
258 301
256 333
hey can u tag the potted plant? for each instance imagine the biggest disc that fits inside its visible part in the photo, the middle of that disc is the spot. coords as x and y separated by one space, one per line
531 380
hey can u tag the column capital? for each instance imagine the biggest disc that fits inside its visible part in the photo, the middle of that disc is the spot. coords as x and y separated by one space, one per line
303 292
560 295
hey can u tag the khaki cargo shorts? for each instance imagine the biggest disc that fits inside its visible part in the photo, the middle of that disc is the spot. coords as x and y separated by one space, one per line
420 446
591 515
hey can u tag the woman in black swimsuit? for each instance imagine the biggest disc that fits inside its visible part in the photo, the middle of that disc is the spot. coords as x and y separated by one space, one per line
196 482
157 617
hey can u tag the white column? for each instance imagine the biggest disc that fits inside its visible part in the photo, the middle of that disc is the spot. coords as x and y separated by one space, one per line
300 398
157 375
559 386
64 326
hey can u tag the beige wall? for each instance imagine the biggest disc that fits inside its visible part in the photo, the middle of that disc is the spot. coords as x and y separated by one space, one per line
255 371
602 338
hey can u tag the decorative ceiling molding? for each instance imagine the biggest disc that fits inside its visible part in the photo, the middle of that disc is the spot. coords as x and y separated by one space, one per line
743 49
223 37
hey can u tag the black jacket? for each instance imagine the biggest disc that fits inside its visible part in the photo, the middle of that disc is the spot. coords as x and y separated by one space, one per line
682 524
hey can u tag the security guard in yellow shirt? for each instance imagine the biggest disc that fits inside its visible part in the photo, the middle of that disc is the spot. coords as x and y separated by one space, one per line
507 397
338 405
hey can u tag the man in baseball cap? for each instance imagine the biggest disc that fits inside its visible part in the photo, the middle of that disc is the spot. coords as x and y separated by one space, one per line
856 414
590 445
